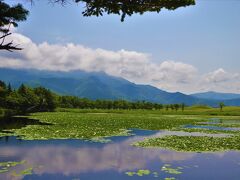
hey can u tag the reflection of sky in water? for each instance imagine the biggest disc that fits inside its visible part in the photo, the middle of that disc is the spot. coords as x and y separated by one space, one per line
221 121
211 127
68 159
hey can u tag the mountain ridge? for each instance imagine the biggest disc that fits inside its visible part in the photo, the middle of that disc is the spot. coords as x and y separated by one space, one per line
216 95
99 85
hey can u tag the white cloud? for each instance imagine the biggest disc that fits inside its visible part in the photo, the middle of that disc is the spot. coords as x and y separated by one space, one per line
218 76
134 66
222 80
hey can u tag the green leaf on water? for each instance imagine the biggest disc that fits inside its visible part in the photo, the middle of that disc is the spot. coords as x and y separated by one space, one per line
168 169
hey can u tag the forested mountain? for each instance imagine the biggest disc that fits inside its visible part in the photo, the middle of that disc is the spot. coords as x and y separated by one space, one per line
98 85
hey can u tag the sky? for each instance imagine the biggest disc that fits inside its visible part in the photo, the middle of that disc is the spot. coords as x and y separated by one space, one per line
192 49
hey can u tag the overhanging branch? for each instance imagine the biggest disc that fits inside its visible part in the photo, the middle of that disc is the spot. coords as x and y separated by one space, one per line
8 46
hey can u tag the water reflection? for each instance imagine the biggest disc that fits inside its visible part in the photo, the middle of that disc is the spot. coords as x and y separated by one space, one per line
74 158
221 121
8 123
211 127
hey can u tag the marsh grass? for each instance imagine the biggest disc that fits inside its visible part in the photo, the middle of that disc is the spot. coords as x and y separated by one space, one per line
193 143
77 125
192 110
98 125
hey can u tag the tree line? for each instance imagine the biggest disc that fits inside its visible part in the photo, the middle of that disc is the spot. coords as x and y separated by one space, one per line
26 99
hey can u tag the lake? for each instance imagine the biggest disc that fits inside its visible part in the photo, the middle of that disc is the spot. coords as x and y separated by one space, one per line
78 159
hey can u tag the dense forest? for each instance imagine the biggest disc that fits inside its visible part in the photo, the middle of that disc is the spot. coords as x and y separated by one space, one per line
26 99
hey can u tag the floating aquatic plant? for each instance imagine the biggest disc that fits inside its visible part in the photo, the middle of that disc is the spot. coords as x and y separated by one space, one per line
5 166
27 171
170 170
193 143
170 178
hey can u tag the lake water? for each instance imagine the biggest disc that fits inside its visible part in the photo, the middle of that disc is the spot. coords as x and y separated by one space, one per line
211 127
77 159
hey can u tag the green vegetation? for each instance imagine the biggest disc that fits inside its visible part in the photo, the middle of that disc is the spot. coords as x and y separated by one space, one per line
1 112
221 105
170 170
167 169
208 111
28 100
5 166
79 125
193 143
27 171
98 124
8 167
231 112
25 99
141 172
10 15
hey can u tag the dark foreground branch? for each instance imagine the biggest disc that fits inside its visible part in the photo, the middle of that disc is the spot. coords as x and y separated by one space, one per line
8 46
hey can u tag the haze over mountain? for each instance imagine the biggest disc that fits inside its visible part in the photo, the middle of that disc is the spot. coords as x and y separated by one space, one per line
216 95
99 85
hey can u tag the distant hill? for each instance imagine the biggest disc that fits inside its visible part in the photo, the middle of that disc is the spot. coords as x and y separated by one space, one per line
216 95
99 85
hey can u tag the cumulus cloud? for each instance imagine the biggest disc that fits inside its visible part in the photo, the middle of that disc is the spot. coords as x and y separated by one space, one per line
134 66
218 76
222 80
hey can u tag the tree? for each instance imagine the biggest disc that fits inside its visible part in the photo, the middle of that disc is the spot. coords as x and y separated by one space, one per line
221 105
176 107
9 88
129 7
182 106
28 99
22 90
47 101
10 15
3 93
2 85
167 107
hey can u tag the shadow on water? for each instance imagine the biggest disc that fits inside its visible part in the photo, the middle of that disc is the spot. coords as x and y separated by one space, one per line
9 123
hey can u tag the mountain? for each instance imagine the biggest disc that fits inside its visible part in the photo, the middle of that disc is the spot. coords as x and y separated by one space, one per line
232 102
98 85
216 95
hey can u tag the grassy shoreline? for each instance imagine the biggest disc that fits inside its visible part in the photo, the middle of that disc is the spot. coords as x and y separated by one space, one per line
192 110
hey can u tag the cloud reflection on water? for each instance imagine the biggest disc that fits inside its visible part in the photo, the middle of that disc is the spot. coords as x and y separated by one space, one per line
68 160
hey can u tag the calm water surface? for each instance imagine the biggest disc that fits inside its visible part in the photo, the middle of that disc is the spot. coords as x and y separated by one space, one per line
77 159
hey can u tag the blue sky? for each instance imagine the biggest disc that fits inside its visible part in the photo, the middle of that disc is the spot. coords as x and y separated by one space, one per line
205 36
